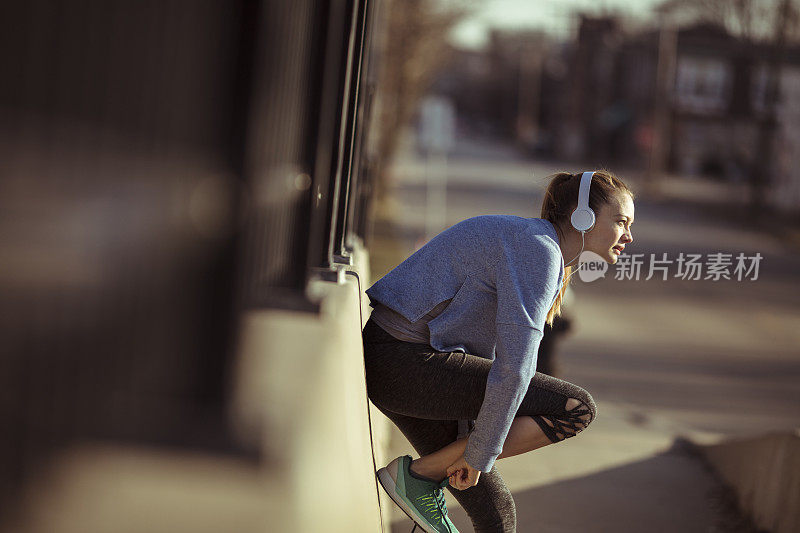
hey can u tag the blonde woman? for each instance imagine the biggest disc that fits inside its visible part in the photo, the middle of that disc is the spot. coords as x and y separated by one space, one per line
450 348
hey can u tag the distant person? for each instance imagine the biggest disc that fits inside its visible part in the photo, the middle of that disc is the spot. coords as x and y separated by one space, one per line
547 360
450 349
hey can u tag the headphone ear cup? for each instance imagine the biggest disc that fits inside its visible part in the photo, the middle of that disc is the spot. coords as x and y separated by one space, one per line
582 219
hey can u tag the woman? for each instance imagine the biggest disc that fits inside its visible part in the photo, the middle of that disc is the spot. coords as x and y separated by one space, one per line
450 348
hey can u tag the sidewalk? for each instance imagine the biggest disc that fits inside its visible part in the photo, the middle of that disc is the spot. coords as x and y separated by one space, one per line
499 167
631 471
627 473
638 467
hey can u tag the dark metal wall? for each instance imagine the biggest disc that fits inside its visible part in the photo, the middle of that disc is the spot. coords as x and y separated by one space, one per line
165 165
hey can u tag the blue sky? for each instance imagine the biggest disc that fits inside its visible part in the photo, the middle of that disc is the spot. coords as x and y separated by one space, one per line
554 16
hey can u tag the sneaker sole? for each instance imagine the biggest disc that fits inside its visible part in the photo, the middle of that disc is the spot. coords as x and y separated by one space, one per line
390 487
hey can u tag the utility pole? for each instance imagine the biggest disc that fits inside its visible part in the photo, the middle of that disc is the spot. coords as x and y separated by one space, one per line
528 91
662 123
763 165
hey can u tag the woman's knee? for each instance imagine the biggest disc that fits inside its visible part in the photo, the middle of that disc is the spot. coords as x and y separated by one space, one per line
579 413
580 401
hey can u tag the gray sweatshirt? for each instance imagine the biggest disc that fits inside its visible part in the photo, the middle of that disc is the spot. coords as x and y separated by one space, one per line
503 273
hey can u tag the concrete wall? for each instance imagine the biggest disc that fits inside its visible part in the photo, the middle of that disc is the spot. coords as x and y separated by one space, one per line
302 384
300 395
765 474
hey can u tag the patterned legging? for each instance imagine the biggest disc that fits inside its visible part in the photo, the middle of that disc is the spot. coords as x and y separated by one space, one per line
425 392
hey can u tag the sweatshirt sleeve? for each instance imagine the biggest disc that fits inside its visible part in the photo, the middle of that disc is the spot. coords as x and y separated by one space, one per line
526 282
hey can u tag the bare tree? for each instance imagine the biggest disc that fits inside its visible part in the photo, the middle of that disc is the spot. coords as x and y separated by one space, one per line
414 47
748 20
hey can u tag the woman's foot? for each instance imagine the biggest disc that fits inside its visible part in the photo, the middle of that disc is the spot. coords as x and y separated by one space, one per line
421 499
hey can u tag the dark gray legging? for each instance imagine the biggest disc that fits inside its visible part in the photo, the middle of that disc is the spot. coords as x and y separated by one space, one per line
425 392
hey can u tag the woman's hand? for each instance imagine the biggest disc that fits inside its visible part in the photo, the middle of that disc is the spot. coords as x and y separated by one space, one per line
462 475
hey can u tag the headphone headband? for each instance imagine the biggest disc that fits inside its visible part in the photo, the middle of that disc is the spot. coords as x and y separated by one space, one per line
583 192
583 217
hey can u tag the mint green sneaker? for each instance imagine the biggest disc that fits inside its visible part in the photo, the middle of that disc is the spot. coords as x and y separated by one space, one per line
422 501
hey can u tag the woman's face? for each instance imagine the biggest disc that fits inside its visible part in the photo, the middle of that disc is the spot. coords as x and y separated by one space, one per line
612 228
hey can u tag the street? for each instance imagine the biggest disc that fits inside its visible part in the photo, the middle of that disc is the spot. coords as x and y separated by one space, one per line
699 358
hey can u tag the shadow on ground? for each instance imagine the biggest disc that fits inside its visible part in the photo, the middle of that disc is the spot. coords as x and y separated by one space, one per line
635 498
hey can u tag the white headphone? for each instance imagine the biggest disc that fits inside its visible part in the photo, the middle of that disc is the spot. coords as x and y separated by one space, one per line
583 217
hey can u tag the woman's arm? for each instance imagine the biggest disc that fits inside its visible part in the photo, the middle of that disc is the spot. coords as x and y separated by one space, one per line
526 279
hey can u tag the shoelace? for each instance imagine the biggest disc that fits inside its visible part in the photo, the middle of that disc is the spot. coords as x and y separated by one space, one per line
440 501
431 504
439 497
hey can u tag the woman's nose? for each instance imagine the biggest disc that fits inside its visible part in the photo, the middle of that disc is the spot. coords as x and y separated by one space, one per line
628 237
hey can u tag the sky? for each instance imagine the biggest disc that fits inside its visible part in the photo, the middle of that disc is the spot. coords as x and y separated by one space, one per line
553 16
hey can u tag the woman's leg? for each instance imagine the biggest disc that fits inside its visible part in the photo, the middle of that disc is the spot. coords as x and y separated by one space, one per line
489 504
422 391
524 436
417 381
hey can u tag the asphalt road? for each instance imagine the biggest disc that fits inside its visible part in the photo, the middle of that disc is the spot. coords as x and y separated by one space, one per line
662 358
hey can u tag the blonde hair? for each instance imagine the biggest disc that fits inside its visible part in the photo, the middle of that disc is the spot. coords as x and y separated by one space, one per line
561 199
